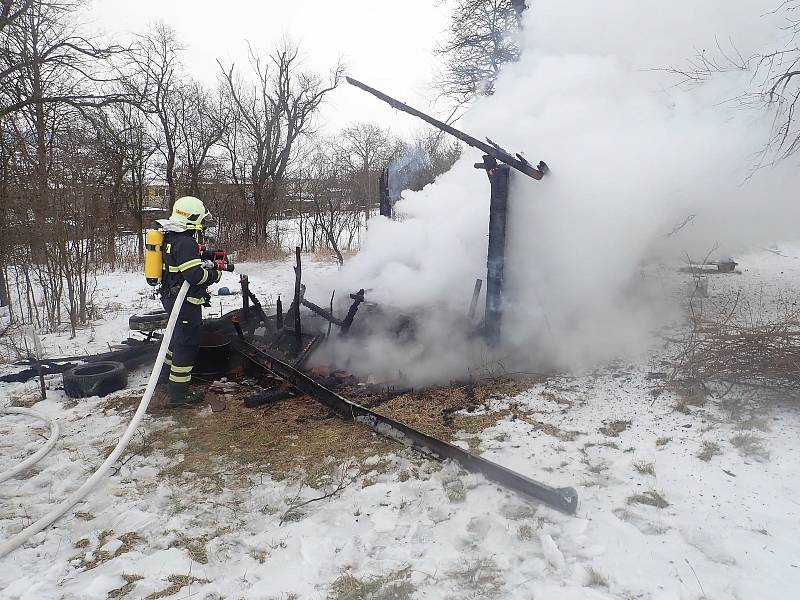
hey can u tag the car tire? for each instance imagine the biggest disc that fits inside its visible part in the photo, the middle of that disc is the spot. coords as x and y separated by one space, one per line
148 321
95 379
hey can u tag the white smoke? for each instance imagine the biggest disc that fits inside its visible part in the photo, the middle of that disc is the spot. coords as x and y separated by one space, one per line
632 155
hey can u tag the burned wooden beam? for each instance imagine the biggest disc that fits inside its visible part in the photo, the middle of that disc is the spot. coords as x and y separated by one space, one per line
358 298
244 282
563 499
298 334
476 294
322 312
488 147
496 256
385 202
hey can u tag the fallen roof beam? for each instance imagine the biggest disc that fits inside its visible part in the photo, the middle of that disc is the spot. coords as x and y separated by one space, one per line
563 499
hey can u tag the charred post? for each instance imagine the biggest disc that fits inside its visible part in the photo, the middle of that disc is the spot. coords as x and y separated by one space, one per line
244 282
279 314
495 261
385 201
476 294
358 298
333 295
298 272
322 312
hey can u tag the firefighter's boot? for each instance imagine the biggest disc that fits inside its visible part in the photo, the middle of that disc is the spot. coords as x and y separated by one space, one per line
180 395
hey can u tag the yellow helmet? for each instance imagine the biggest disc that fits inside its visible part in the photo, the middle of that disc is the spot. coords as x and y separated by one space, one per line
189 212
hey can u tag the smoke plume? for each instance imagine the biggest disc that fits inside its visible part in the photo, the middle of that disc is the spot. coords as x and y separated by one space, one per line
633 154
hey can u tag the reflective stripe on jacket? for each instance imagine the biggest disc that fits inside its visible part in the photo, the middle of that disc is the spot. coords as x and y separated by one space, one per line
182 262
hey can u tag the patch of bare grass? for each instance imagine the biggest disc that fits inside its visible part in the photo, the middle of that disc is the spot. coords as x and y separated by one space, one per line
587 445
749 444
121 592
689 393
709 451
753 424
393 586
525 533
663 441
597 579
94 559
176 584
444 411
614 428
649 498
645 468
295 438
481 578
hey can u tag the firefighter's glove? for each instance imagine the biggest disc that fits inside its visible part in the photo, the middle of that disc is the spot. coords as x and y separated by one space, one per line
209 264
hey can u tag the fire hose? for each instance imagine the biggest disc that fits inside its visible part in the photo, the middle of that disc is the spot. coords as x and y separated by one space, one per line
42 452
78 495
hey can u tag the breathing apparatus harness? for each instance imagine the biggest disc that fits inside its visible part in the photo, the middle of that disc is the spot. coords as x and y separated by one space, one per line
154 257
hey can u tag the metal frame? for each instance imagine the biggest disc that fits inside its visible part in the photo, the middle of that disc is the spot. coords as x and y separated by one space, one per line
563 499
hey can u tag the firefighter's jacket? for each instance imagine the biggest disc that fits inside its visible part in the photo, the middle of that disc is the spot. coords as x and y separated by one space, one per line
182 262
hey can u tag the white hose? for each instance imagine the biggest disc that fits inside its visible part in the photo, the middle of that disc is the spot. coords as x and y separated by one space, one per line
33 458
76 496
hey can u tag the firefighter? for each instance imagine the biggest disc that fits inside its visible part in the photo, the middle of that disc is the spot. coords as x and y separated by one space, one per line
182 262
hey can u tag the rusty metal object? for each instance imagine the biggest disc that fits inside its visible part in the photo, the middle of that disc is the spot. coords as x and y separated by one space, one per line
563 499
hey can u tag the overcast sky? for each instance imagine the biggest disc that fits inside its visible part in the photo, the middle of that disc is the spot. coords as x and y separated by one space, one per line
385 43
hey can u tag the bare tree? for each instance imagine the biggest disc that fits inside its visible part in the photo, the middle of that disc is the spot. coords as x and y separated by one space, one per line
774 81
421 161
269 116
202 123
40 41
51 75
125 149
157 83
480 40
362 151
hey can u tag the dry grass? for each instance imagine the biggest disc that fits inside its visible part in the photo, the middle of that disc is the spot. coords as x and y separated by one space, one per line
597 579
649 498
443 411
754 424
196 548
663 441
749 444
121 592
293 438
525 533
645 468
176 584
297 438
394 586
98 557
709 451
481 578
587 445
614 428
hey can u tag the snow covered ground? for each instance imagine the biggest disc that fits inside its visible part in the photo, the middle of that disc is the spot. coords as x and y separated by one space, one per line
698 504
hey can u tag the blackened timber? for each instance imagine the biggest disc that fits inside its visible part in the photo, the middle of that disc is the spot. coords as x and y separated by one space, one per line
358 298
298 334
385 203
492 149
322 312
496 256
563 499
244 282
476 294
